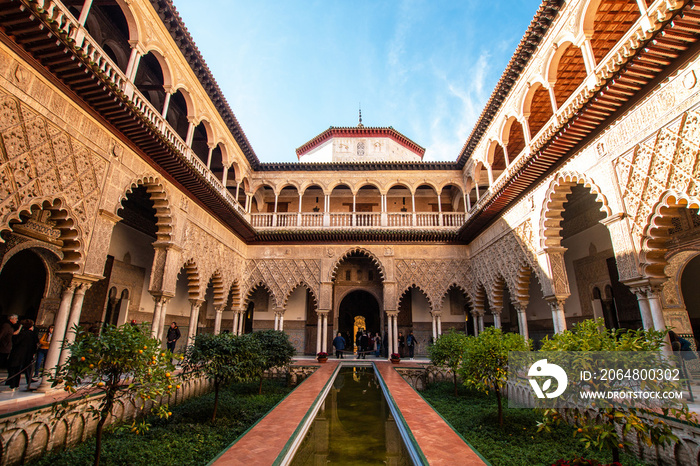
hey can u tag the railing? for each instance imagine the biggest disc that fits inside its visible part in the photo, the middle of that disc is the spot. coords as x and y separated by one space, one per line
320 220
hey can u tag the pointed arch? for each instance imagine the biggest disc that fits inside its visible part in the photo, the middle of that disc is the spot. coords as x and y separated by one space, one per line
160 198
458 287
407 292
555 198
497 290
301 284
217 283
234 298
657 232
358 251
255 286
192 273
71 234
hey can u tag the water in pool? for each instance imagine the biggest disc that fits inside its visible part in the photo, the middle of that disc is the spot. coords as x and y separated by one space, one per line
354 425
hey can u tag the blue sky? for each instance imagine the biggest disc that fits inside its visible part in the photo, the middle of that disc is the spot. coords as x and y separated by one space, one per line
290 69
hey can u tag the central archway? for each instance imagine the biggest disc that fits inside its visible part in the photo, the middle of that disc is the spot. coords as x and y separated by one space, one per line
358 303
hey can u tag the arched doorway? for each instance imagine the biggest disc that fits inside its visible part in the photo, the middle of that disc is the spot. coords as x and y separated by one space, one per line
691 298
22 285
358 307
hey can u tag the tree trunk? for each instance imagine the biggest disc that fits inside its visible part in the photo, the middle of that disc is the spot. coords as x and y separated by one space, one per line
454 377
98 439
500 405
216 400
260 387
615 454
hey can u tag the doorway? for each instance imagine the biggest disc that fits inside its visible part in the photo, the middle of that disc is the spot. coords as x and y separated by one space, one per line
358 307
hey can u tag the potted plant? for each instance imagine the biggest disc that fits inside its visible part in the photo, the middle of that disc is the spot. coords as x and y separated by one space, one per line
395 358
322 356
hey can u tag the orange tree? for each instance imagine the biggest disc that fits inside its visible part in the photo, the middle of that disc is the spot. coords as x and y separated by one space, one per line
605 425
122 363
223 358
485 364
276 351
448 350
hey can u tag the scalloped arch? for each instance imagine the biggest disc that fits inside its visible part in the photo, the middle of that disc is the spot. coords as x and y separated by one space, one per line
159 196
256 285
457 286
301 284
362 251
217 284
654 241
415 286
70 232
555 198
192 274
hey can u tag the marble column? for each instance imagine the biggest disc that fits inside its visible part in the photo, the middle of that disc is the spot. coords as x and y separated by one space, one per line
59 332
73 320
496 318
475 322
480 316
163 315
318 332
558 315
155 322
434 318
281 322
324 341
219 312
236 314
522 319
396 333
438 318
195 304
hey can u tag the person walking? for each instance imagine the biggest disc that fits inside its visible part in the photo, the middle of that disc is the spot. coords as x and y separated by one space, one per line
339 345
173 337
7 330
358 343
24 346
377 344
44 343
411 344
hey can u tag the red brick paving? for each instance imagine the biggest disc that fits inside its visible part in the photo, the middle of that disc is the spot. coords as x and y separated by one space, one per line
264 442
439 443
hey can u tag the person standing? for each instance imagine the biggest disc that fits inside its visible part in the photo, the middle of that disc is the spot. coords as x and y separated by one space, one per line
364 344
339 344
402 344
7 330
44 343
377 344
20 359
358 343
173 337
411 343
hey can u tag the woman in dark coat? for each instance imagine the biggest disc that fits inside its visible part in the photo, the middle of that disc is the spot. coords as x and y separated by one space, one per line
24 346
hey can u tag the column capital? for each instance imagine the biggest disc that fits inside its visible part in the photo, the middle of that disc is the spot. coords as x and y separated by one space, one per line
436 313
392 313
196 302
645 287
322 312
556 301
160 297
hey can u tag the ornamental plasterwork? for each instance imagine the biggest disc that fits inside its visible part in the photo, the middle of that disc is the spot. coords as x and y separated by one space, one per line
39 160
433 277
667 160
210 255
281 276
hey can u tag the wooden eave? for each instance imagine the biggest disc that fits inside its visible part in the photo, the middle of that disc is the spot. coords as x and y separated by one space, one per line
356 166
377 235
28 31
672 44
182 37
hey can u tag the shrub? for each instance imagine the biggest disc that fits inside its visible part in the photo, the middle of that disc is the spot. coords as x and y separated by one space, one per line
448 350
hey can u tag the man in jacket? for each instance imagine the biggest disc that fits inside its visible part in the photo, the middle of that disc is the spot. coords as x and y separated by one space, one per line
173 336
8 328
339 344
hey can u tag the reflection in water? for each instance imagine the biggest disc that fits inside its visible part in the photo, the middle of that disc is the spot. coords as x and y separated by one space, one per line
353 426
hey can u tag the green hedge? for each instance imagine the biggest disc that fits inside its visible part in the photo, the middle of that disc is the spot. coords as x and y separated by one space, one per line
474 415
187 437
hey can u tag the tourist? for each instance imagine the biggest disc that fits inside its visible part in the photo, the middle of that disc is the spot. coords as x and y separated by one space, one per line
402 344
44 343
173 336
8 329
339 344
385 345
377 344
411 343
365 344
24 346
358 343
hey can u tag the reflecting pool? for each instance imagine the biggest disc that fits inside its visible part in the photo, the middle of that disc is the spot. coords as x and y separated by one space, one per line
354 425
